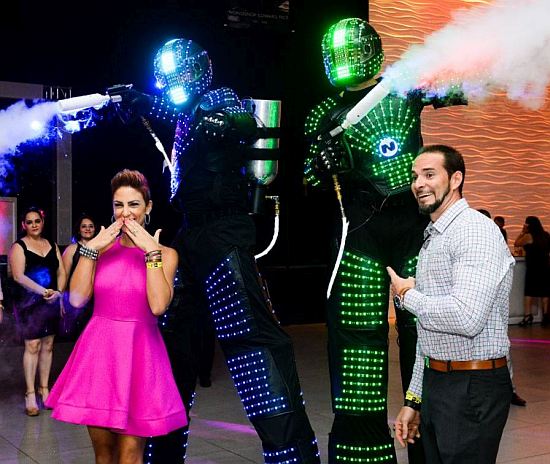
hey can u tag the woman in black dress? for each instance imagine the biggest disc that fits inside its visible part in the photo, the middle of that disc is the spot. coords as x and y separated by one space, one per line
536 243
38 271
75 319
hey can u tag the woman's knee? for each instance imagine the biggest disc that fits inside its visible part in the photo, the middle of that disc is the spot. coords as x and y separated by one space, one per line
47 344
131 449
104 443
33 346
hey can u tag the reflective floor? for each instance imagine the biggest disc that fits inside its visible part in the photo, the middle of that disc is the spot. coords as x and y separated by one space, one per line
220 432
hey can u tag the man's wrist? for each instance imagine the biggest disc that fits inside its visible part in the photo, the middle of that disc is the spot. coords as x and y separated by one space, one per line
403 291
398 299
412 401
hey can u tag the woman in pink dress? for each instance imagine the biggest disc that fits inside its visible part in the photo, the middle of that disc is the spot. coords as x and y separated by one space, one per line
118 380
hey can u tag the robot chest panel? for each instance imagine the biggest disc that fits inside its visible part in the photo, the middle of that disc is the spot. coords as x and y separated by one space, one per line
385 142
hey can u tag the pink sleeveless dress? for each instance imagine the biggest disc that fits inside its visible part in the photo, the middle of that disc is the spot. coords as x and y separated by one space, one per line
119 375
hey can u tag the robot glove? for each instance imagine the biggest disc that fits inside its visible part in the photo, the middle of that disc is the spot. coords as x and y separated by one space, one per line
131 103
333 158
215 125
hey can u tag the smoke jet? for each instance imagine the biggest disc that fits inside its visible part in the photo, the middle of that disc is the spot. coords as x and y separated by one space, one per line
502 46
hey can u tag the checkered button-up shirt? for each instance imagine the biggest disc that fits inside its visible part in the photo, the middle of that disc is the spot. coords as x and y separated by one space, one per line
461 299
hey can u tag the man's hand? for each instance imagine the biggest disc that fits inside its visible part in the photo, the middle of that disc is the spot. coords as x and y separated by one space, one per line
407 425
399 283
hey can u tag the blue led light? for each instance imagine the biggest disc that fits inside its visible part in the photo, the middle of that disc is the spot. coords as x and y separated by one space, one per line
178 95
168 63
250 372
228 300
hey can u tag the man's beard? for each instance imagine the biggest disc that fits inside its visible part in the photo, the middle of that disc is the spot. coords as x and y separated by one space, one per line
429 209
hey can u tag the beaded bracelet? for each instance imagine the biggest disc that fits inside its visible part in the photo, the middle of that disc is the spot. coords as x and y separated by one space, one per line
89 253
153 256
153 264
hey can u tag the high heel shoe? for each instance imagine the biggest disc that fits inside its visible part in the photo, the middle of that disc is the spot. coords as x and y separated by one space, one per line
545 320
31 408
43 397
527 320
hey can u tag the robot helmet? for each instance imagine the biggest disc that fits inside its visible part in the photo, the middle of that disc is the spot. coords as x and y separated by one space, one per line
352 52
183 70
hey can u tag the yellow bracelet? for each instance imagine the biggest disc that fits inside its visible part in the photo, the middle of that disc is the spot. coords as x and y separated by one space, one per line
410 396
153 264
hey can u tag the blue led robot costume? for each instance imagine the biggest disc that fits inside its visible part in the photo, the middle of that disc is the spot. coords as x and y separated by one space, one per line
218 272
373 160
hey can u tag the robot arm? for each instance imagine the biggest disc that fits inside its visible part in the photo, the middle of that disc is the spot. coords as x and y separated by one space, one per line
130 103
233 124
327 154
333 157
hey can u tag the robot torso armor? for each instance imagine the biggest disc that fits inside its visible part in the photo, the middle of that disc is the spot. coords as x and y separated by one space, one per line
382 145
209 152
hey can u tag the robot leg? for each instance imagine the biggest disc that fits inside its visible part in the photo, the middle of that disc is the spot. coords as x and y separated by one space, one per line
181 330
358 357
261 360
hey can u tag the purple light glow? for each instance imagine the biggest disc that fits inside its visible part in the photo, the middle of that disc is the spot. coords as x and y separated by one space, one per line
530 340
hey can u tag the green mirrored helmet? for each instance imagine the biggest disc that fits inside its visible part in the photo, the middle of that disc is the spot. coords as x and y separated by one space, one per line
352 52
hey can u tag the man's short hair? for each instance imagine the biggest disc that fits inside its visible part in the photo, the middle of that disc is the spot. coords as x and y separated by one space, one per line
452 160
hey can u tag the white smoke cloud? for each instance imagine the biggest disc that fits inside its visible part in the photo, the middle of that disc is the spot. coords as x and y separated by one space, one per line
20 124
504 46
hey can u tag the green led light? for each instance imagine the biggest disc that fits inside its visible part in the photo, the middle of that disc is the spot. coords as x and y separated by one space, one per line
342 72
364 454
313 125
362 380
339 37
410 267
354 43
364 309
381 144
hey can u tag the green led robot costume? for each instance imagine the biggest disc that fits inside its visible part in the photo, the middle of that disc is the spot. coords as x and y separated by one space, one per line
373 160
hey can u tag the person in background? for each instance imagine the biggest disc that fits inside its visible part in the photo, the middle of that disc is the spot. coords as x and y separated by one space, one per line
536 243
38 271
460 392
74 319
499 221
118 380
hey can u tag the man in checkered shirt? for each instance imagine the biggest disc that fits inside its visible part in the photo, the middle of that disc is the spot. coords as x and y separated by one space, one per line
461 385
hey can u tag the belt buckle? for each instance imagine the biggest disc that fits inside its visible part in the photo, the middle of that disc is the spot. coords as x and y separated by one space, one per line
426 362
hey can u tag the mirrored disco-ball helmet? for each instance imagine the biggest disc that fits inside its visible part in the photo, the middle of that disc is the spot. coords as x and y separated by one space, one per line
352 52
183 70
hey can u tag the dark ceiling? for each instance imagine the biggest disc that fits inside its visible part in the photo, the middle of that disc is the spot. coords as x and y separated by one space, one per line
113 42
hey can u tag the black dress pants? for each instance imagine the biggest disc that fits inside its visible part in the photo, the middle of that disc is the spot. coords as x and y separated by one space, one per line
463 415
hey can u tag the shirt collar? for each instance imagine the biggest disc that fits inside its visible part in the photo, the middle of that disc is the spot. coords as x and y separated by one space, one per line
447 217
